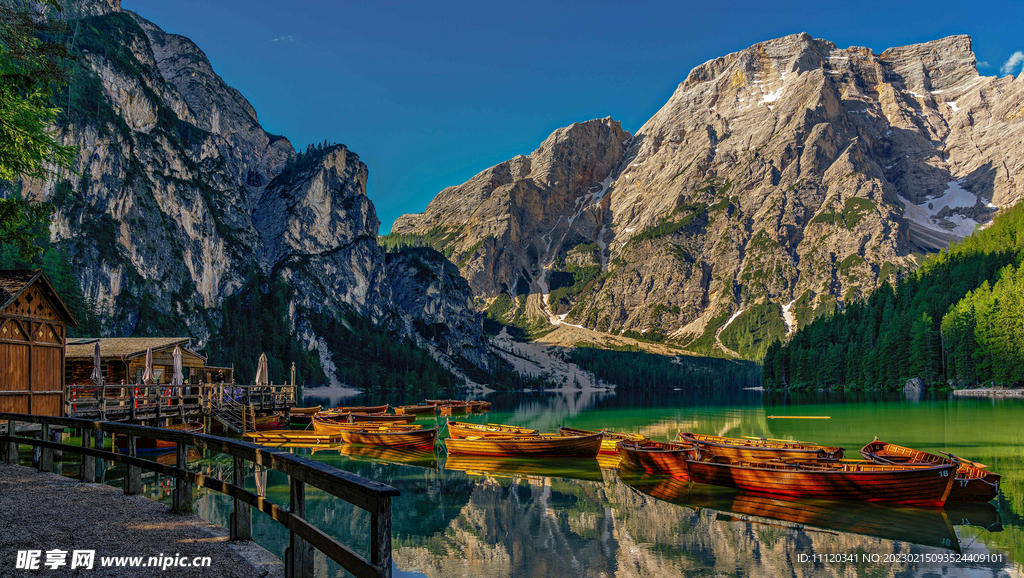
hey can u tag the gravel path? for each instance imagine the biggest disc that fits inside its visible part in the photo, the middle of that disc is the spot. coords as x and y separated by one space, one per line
49 511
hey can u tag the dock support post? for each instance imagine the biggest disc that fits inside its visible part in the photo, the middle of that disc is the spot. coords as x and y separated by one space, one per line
132 479
182 488
88 473
298 558
380 536
11 449
241 518
45 454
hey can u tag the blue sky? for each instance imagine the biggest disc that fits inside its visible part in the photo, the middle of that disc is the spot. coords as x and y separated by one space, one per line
431 93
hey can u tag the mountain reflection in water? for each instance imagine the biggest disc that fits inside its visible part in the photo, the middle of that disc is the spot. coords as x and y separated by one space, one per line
468 517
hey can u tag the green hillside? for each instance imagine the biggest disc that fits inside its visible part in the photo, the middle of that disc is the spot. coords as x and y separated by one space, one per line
959 318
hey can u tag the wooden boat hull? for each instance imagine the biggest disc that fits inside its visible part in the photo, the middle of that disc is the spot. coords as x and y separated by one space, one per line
326 425
269 422
411 439
454 409
869 482
415 409
151 445
657 457
972 483
359 409
292 436
534 446
611 438
381 418
460 430
756 450
302 416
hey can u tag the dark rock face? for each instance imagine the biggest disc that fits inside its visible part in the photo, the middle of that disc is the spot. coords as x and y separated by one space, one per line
180 194
776 183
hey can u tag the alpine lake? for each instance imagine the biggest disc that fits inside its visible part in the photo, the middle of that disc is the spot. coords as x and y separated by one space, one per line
460 516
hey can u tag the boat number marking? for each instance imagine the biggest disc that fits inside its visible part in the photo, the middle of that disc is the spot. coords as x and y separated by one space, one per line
944 474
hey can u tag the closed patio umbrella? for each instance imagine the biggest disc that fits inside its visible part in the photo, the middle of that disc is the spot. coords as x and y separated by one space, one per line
177 378
97 369
147 376
261 371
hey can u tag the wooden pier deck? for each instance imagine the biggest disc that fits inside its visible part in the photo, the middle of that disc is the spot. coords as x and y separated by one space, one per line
226 403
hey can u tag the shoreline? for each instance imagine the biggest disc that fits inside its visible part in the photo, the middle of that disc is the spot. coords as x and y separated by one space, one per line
988 392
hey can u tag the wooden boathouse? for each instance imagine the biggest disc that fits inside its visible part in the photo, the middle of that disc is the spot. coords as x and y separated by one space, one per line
33 333
123 360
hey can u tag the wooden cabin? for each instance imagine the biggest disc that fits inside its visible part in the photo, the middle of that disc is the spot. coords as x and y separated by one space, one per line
33 333
123 360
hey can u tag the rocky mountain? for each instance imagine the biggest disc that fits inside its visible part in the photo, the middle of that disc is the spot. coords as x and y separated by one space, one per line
776 183
181 198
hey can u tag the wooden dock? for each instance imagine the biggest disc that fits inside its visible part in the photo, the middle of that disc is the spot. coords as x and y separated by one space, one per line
223 402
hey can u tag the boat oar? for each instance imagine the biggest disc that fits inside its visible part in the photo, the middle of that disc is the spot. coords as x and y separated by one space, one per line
965 460
799 417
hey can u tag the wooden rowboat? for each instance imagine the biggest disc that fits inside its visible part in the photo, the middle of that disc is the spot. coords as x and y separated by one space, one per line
414 409
149 444
921 485
381 418
392 438
611 438
972 483
540 445
762 449
292 436
302 415
667 458
327 425
451 409
268 422
460 430
359 409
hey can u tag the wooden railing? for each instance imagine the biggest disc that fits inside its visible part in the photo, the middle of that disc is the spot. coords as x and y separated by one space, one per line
158 401
367 494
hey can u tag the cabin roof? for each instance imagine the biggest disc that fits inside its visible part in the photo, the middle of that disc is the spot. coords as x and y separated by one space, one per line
126 347
14 282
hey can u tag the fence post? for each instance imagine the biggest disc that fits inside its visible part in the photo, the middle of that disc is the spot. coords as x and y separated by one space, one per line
132 403
133 479
45 454
88 473
380 536
103 402
11 451
241 518
182 488
298 558
101 465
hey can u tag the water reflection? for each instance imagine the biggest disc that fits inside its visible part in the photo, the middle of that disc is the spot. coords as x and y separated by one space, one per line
504 517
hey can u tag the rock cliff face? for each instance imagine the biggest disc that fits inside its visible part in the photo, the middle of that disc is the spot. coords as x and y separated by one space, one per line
776 183
181 195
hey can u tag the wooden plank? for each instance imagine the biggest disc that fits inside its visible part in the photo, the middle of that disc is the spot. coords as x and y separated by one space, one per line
380 537
133 478
88 473
182 488
241 517
298 558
